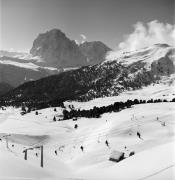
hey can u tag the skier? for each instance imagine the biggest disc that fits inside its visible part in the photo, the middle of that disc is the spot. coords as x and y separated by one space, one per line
54 118
56 152
82 148
107 143
76 126
139 135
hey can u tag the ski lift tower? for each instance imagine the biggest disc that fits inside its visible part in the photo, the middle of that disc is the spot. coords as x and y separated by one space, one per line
6 138
36 147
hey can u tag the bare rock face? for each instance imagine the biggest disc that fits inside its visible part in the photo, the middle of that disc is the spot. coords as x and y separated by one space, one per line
95 51
57 50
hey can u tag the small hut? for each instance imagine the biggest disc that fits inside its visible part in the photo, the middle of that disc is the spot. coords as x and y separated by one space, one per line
116 156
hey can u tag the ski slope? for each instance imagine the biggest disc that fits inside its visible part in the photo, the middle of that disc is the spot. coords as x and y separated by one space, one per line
146 55
154 152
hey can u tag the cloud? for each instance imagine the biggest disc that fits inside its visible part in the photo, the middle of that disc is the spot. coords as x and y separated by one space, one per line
84 38
76 41
11 50
148 34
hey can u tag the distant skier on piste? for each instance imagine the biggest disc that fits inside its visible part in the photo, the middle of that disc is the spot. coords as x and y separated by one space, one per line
107 143
139 135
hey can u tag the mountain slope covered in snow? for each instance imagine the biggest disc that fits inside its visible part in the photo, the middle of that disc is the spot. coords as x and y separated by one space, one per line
63 157
16 71
109 78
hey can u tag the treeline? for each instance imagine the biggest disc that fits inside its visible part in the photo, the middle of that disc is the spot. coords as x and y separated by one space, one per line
96 112
33 105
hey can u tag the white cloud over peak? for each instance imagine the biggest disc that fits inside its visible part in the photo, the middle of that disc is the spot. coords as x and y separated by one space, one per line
148 34
76 41
84 38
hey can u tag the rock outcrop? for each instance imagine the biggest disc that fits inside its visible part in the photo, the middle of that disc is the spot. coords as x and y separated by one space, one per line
95 51
57 50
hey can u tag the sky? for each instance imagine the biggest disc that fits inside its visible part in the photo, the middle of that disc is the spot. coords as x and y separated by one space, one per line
110 21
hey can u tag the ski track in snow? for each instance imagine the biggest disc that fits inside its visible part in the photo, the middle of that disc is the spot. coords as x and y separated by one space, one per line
72 164
160 171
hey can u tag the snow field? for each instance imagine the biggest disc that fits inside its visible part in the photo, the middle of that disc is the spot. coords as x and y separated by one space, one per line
120 129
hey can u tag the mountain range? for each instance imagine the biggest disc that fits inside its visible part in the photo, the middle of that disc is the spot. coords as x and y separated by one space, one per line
122 72
52 52
15 71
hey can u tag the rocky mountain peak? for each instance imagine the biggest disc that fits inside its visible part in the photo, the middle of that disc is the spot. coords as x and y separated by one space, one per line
57 50
95 51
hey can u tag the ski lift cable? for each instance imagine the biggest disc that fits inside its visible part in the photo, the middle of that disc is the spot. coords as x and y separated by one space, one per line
79 140
117 132
102 134
98 134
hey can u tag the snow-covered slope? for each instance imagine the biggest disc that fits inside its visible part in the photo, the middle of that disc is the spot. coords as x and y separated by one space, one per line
157 163
131 78
26 65
130 72
14 168
163 89
147 54
19 55
154 151
15 71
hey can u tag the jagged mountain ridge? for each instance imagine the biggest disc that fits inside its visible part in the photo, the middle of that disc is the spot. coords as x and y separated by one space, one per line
95 52
108 78
52 53
57 50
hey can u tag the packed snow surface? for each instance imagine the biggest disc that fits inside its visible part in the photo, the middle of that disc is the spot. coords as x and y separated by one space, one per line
154 156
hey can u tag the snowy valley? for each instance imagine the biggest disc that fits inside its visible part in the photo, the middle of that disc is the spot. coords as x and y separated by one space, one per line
63 157
87 90
120 122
